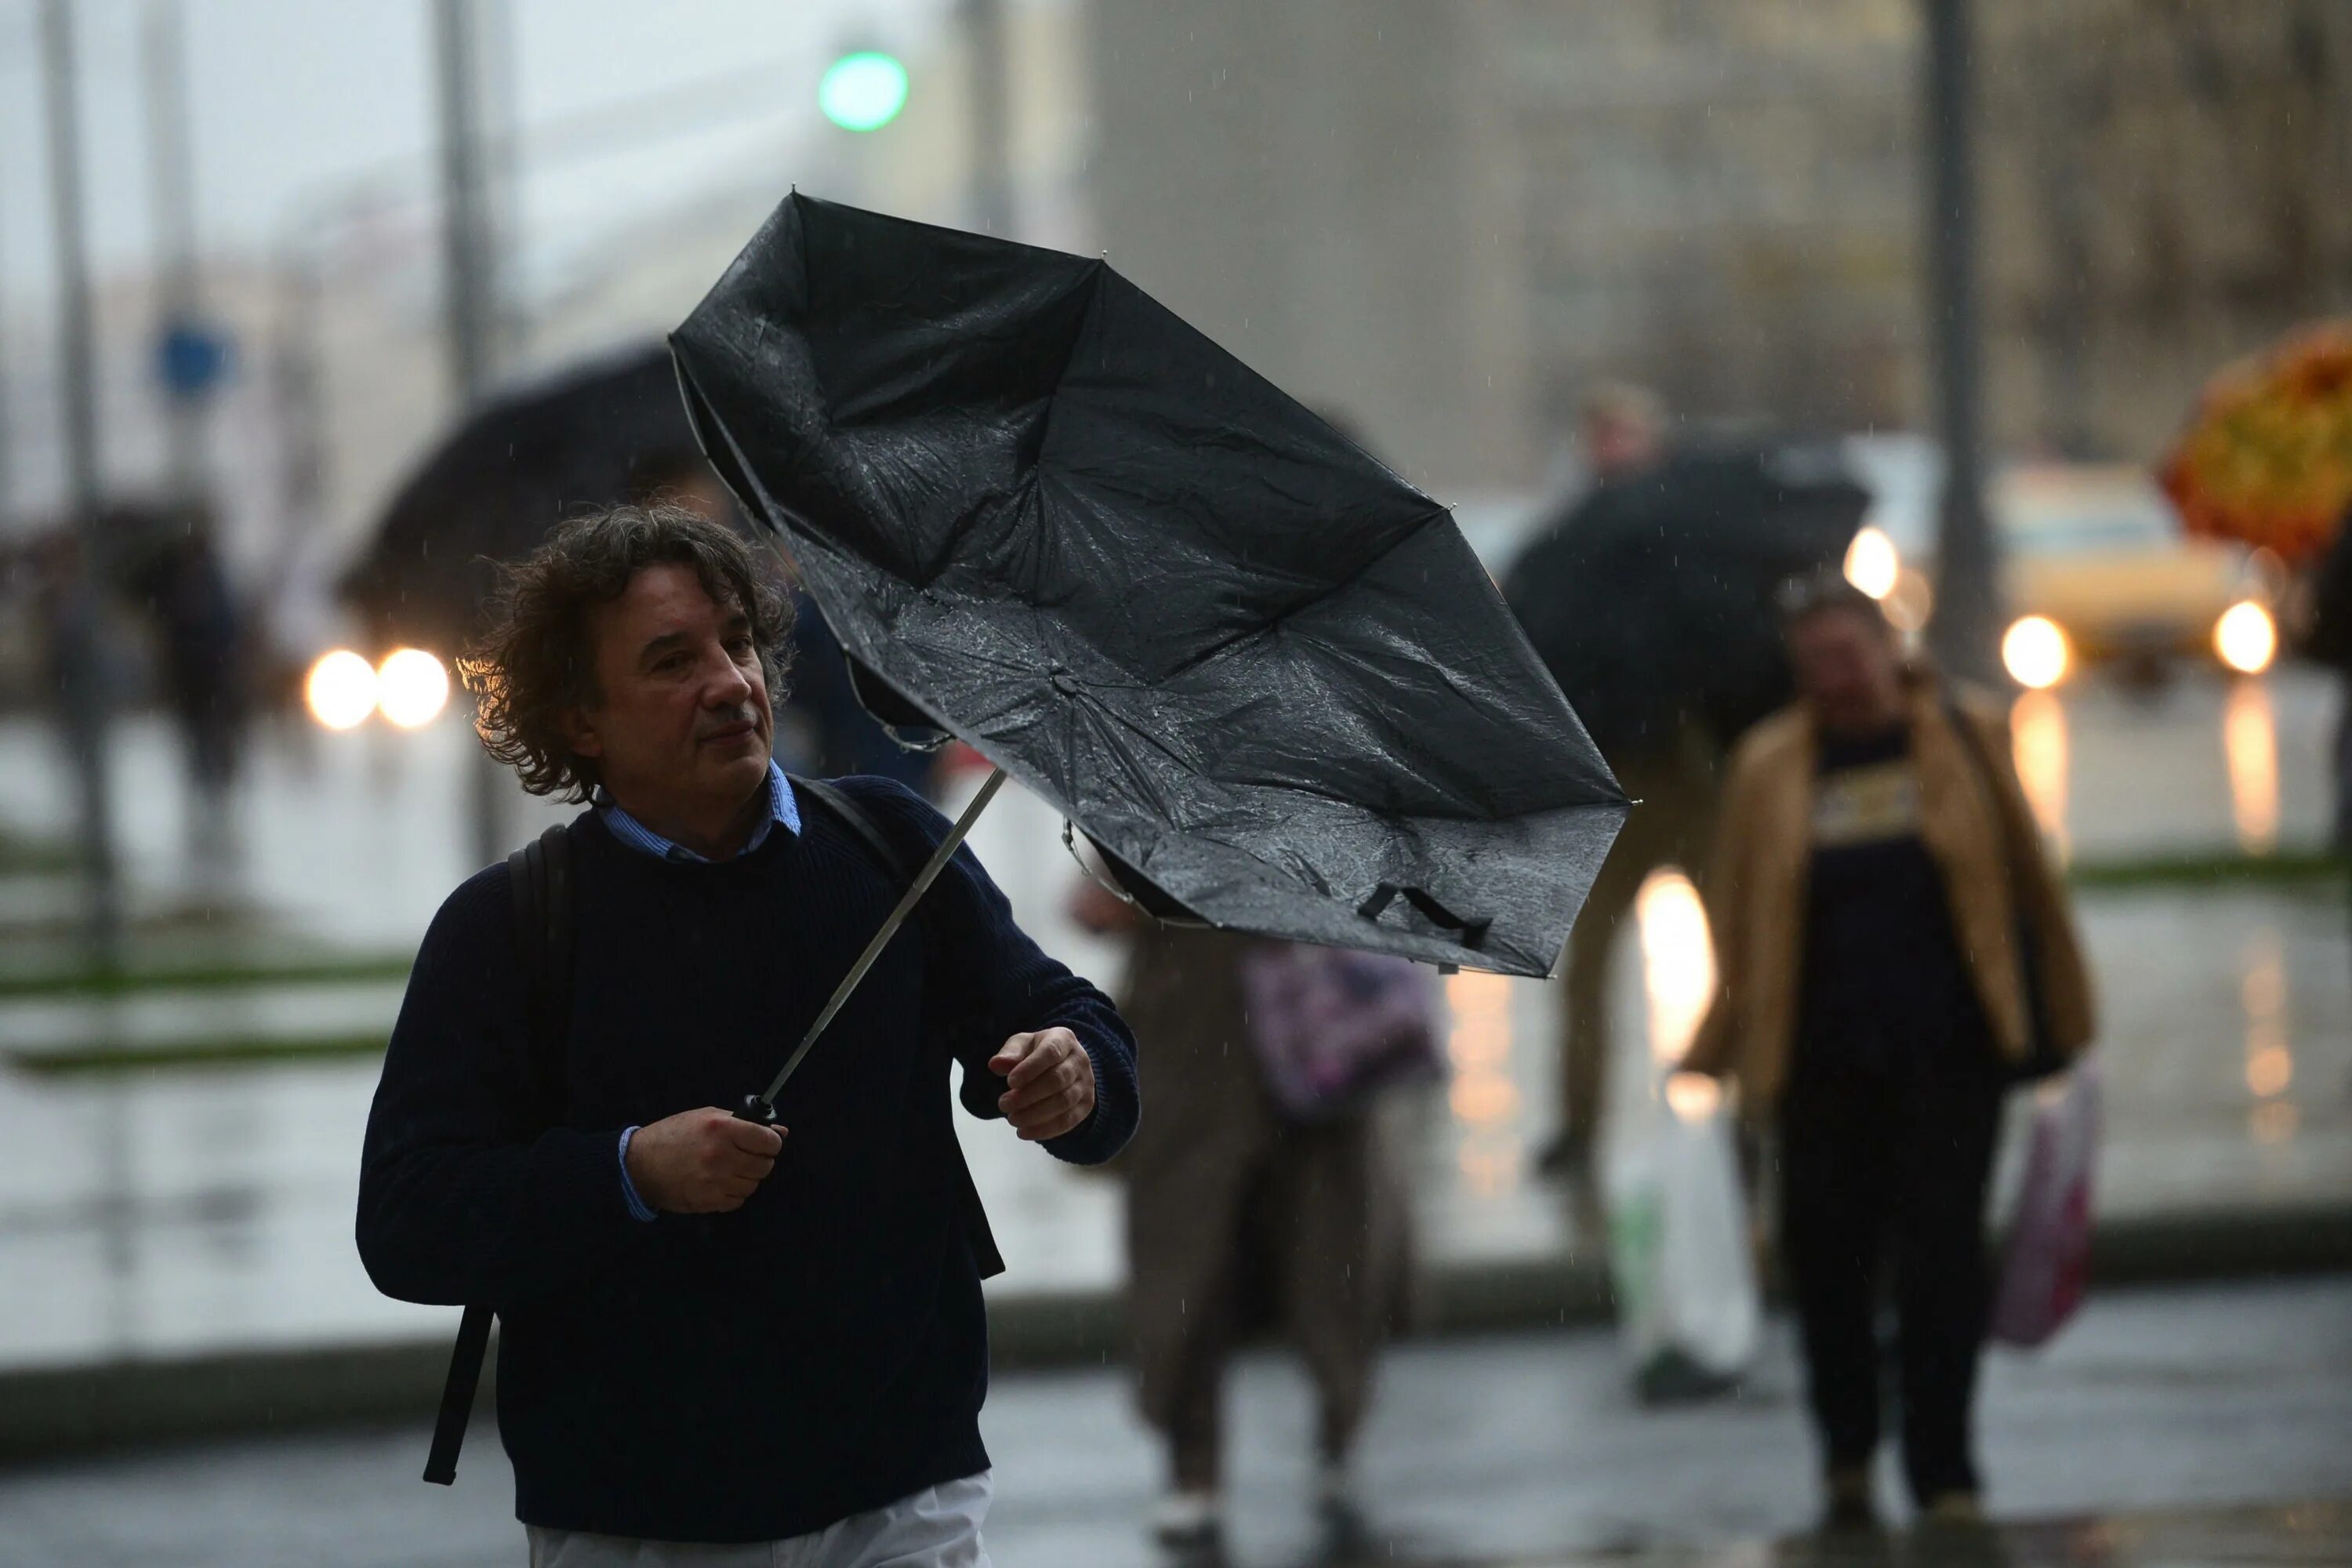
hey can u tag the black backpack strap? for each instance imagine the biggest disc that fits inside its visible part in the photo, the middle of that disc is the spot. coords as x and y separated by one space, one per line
544 925
902 869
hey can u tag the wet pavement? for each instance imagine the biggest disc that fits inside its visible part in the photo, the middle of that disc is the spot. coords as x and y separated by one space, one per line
2181 1427
180 1210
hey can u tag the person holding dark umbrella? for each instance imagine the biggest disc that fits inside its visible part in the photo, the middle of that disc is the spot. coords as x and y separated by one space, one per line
715 1332
1266 678
1650 600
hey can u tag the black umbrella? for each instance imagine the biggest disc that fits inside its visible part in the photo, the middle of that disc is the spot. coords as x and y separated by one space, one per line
1652 601
600 433
1264 675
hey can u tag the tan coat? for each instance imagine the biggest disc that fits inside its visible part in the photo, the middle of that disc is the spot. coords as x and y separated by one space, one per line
1756 896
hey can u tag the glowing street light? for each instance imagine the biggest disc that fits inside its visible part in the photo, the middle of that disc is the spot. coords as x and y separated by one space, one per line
2036 652
1872 563
341 690
412 687
2246 638
863 92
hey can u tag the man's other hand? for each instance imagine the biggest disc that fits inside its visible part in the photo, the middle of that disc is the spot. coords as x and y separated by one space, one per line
1049 1085
702 1162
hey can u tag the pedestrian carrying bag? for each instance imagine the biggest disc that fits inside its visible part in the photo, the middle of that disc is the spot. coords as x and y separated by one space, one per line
1333 1028
1689 1313
546 921
2046 1267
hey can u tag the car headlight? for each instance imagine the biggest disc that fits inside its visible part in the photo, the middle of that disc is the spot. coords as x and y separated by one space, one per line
1873 564
341 690
2246 638
2036 652
412 687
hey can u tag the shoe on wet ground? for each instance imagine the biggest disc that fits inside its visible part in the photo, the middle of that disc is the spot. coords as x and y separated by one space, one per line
1187 1517
1954 1509
1848 1507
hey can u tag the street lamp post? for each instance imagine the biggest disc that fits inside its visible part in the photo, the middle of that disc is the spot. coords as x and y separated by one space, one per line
1967 589
992 119
79 647
171 187
469 286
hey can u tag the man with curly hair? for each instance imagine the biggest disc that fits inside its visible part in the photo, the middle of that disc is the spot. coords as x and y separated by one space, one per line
720 1345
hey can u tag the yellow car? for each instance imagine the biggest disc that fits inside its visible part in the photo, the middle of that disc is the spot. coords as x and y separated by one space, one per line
2096 568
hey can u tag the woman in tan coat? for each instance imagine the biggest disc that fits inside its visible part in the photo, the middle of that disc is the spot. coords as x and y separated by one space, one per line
1877 876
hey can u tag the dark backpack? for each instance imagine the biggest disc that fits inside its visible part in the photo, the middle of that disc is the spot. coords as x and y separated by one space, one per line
545 925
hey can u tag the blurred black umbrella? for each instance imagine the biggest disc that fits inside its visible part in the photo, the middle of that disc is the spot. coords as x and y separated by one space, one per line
1262 673
1652 601
604 432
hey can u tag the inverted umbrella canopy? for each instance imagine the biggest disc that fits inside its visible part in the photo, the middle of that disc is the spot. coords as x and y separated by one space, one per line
1264 674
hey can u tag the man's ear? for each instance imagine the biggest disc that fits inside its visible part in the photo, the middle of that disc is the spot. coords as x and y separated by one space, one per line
579 733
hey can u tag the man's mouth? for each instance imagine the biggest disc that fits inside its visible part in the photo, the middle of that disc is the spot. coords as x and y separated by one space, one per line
730 732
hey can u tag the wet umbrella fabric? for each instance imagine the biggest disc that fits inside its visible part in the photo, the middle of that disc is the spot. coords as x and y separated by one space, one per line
598 435
1264 674
1653 601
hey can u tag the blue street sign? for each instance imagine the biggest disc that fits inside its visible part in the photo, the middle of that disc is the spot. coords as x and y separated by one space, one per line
191 357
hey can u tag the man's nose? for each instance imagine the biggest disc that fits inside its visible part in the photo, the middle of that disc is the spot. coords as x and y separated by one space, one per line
726 686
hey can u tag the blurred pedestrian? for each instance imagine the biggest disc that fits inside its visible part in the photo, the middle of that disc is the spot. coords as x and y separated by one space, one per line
1895 950
717 1349
1240 1216
201 640
1669 770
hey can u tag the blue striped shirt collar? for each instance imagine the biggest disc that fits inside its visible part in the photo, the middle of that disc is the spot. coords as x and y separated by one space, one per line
784 810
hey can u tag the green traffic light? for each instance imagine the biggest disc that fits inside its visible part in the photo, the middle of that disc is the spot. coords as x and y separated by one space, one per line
863 91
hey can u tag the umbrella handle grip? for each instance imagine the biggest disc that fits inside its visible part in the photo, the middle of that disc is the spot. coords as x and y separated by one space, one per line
1473 927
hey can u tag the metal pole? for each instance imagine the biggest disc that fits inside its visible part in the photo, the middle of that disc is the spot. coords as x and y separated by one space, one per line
7 430
1967 589
992 119
79 647
171 185
470 316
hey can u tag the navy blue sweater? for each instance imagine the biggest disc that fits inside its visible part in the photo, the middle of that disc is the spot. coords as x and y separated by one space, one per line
821 1351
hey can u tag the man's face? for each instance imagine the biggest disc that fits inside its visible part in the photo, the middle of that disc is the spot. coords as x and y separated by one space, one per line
682 720
1847 670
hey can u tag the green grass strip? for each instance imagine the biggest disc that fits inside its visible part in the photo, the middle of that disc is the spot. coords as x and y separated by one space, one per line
197 975
20 856
2211 869
242 1050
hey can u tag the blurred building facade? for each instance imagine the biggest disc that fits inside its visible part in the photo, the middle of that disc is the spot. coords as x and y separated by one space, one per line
1449 215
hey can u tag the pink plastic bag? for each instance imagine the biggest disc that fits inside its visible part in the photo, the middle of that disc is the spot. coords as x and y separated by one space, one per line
2047 1267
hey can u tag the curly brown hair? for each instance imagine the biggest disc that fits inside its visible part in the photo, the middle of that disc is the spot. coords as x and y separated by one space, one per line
533 661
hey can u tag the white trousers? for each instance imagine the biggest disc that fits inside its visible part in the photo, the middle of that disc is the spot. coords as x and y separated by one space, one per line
937 1527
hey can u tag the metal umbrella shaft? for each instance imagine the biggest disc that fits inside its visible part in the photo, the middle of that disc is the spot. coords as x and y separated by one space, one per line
761 1108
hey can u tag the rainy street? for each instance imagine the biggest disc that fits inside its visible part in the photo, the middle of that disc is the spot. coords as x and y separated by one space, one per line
1163 784
1513 1451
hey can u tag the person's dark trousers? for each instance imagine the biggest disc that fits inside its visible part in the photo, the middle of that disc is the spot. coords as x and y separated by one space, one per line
1879 1169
